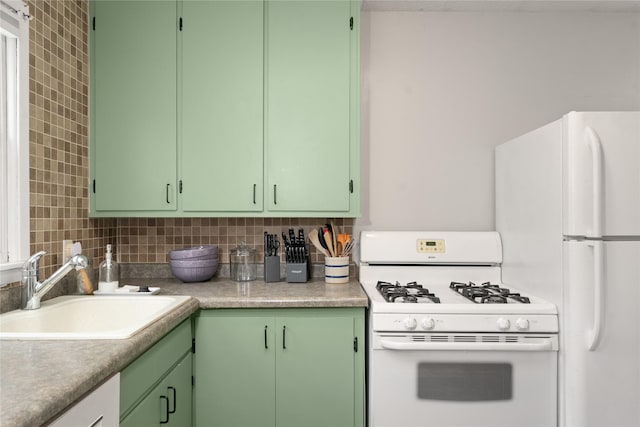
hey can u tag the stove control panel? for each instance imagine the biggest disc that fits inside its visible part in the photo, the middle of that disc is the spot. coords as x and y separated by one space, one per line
426 246
465 323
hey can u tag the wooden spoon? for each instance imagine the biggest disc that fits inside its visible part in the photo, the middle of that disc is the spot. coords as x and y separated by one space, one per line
315 239
334 237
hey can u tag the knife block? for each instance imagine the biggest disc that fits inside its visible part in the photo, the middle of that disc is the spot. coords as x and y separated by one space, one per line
297 272
272 268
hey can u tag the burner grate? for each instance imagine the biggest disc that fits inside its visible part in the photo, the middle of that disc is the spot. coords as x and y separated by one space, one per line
411 292
486 293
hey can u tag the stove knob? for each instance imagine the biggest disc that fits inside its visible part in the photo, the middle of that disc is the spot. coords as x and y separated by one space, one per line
428 323
410 323
503 324
522 324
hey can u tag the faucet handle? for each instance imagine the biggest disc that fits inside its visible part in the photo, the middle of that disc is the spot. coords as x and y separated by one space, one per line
32 265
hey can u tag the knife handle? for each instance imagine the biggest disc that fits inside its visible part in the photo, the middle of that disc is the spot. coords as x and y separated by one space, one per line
266 248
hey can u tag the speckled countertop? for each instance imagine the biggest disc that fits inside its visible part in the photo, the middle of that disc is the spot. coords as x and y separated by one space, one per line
221 293
39 379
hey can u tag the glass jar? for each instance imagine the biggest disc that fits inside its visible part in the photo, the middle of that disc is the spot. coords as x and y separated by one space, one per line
243 263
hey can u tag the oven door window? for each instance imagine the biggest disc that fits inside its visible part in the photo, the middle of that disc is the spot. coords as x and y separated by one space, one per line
465 382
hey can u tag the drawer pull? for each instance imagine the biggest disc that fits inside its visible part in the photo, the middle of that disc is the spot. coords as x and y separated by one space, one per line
284 337
173 390
166 409
265 337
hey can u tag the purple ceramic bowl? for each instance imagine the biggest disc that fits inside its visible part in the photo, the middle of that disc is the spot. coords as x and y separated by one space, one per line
193 270
195 252
208 257
193 263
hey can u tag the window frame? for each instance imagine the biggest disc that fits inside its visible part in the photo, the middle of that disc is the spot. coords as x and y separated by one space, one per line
15 25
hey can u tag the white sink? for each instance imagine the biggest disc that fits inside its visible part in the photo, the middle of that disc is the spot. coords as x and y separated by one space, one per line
87 317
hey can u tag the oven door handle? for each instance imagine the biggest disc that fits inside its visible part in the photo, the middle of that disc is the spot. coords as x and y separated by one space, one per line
545 345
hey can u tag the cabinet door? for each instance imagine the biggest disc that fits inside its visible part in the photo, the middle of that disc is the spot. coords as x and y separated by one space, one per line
307 105
133 105
235 371
179 392
222 105
315 372
169 403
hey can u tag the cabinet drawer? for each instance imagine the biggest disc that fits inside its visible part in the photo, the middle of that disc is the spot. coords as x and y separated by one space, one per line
150 367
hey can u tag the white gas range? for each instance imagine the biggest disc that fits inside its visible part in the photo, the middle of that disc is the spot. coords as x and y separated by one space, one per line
449 343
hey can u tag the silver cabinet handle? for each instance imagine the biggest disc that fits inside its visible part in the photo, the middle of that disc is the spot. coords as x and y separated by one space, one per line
97 421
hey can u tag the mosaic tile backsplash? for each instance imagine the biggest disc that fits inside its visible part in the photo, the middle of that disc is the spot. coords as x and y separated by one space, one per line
59 162
150 240
58 138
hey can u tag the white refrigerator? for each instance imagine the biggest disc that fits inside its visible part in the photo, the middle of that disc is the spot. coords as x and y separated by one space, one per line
568 211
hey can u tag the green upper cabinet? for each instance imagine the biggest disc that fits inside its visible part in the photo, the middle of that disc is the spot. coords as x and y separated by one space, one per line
308 106
133 106
222 95
224 108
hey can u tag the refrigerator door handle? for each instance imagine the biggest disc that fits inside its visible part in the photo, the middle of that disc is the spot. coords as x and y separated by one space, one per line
597 163
594 335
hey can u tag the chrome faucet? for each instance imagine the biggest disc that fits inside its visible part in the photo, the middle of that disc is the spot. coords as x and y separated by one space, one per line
32 290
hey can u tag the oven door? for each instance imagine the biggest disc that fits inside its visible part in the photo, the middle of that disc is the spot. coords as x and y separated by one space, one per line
463 380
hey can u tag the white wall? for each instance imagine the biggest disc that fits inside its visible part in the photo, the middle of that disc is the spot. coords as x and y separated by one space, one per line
441 89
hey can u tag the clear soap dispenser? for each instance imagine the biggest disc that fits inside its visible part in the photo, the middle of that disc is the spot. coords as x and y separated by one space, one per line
108 280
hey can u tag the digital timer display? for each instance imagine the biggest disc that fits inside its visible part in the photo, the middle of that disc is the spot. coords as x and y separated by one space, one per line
435 246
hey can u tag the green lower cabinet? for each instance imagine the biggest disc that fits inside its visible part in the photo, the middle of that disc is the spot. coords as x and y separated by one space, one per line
169 403
234 370
156 389
315 371
279 367
180 393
